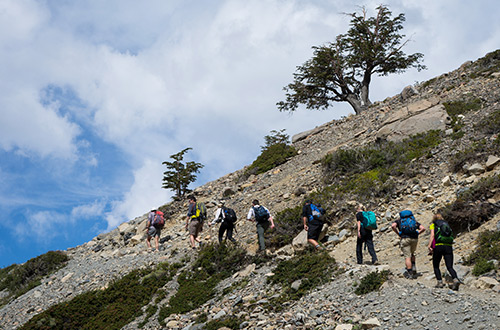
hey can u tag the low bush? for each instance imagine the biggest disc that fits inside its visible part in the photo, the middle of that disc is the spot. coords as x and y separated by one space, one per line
488 248
111 308
490 124
19 279
311 268
271 157
197 284
471 208
482 266
288 225
371 282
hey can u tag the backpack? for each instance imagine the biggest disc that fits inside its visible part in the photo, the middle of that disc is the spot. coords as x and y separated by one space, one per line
203 211
369 220
317 212
261 214
158 220
408 223
229 215
443 232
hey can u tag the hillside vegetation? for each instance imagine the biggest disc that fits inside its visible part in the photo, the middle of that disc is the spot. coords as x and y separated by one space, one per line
433 147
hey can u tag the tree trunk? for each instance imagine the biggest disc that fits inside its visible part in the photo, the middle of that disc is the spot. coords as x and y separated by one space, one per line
365 88
355 103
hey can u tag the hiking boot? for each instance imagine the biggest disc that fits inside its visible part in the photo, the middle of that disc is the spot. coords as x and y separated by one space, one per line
375 263
439 284
407 275
456 283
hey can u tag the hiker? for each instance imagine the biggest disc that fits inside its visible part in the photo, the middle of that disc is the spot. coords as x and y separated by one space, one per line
152 231
408 229
194 221
313 216
365 235
440 246
263 219
227 218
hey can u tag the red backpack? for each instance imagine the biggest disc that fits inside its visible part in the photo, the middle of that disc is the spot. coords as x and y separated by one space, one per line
159 220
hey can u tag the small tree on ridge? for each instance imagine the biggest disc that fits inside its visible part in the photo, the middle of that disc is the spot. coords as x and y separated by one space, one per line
179 175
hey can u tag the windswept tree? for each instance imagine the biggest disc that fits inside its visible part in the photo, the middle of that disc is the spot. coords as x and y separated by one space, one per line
341 71
179 175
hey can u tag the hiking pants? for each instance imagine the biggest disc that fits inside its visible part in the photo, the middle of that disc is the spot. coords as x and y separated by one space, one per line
367 238
223 228
441 251
261 228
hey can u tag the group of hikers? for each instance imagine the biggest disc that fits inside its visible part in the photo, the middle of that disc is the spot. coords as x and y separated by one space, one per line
313 216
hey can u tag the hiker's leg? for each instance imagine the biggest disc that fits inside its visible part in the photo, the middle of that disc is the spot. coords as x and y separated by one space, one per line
148 239
448 260
222 229
369 244
230 233
437 254
198 228
260 236
192 240
359 250
313 233
157 242
405 244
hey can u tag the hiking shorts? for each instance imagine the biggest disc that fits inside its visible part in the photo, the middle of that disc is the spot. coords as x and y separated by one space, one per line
194 227
408 246
153 231
314 229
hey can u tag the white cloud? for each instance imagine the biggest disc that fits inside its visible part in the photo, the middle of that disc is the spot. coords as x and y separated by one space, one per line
87 211
145 194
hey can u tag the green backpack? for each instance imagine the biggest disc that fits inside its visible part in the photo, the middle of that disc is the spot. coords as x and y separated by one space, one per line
443 232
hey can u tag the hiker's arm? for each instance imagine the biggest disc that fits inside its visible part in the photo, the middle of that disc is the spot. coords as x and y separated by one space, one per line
394 227
421 229
272 221
359 228
250 215
304 219
431 238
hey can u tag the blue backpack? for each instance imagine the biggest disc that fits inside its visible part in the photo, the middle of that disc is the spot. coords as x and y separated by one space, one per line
408 223
261 214
369 220
317 212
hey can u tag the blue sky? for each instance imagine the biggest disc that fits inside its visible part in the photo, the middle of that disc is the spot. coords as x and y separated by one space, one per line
95 95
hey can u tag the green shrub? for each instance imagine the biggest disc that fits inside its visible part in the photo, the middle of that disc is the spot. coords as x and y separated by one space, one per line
288 225
231 322
111 308
482 266
456 108
372 282
488 64
19 279
490 124
197 284
488 247
313 269
271 157
471 207
478 152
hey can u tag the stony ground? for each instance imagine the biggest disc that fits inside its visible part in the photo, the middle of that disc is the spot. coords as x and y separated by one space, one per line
400 304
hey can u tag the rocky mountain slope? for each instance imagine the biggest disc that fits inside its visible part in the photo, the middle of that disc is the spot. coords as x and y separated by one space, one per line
400 303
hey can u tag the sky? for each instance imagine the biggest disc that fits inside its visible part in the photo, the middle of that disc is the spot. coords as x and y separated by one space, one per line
95 95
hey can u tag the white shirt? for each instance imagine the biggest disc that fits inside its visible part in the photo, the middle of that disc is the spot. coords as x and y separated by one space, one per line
218 214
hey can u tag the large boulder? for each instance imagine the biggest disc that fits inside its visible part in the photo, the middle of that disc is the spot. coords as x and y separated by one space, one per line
399 128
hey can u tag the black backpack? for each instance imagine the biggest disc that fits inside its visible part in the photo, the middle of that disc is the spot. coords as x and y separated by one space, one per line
261 214
229 215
